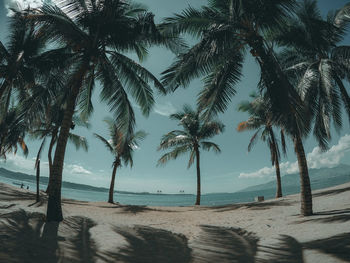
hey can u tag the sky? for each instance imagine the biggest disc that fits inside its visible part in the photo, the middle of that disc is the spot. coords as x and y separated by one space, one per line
232 170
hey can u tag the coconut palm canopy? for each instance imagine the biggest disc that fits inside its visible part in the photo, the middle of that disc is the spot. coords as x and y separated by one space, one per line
234 159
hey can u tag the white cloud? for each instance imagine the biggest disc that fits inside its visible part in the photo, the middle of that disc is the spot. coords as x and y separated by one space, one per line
26 165
76 169
21 164
165 109
316 159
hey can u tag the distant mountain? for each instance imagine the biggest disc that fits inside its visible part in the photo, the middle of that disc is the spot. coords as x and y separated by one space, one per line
44 180
320 178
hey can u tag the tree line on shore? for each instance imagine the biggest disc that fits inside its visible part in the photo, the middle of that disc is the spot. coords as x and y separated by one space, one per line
57 54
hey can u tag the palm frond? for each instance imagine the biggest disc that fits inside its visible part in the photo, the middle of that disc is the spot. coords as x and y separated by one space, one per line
342 16
220 86
210 146
105 142
253 140
174 154
78 141
113 92
192 158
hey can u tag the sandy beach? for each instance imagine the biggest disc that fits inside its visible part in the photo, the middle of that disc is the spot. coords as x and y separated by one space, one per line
269 231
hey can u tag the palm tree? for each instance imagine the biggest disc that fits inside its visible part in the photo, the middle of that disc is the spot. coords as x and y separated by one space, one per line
122 146
260 120
50 129
99 32
25 61
226 30
194 136
318 64
12 132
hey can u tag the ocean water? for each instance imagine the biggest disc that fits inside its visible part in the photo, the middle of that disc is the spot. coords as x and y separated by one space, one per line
174 199
144 199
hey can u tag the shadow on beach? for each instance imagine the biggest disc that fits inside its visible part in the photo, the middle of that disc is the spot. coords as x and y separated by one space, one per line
25 237
149 245
332 216
337 246
11 194
252 205
331 192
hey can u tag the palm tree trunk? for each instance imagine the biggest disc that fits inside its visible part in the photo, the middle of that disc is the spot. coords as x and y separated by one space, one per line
305 191
49 156
37 181
275 156
278 179
111 188
198 199
54 208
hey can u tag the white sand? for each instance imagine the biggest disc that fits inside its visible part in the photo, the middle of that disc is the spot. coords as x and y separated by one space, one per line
324 237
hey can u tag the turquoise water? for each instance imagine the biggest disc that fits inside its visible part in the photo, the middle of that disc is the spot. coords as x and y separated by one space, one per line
177 199
143 199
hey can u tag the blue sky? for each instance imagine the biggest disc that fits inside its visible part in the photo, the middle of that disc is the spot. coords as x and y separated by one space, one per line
229 171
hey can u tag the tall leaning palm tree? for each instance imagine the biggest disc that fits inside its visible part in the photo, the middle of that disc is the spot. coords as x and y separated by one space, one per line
261 121
50 130
122 146
99 33
227 29
318 64
191 139
48 127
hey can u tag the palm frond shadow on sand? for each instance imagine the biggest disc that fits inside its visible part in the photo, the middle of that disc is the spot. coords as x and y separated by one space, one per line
332 216
214 244
337 246
134 209
331 192
218 244
22 238
25 237
149 245
252 206
10 194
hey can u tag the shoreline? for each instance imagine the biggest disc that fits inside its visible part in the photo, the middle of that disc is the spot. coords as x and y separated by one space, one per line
133 231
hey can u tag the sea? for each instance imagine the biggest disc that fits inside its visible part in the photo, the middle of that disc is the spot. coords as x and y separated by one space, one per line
147 198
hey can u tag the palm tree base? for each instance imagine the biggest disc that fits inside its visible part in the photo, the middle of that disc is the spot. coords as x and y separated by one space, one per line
54 209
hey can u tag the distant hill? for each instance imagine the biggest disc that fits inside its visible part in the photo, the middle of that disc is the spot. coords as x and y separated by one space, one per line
44 180
320 178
